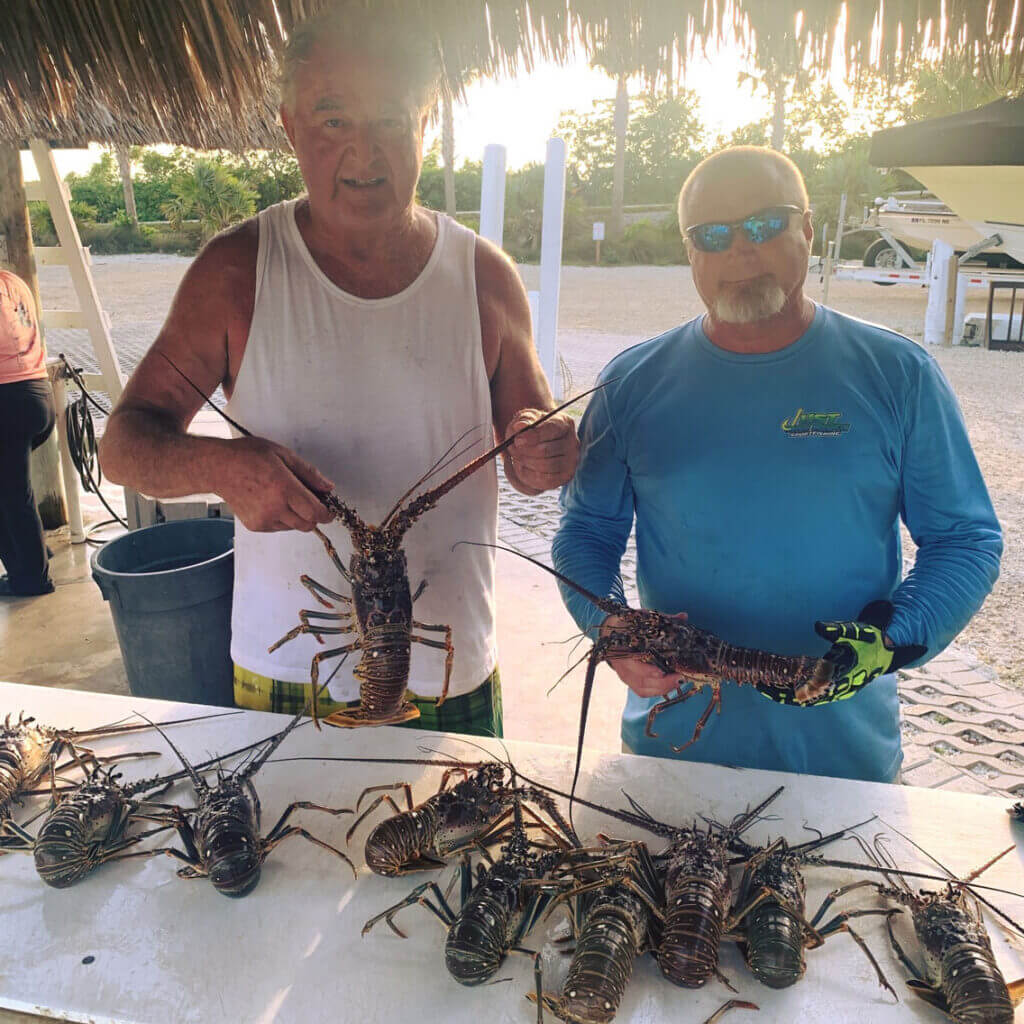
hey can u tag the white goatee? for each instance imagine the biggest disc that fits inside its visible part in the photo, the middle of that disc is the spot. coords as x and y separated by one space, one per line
749 302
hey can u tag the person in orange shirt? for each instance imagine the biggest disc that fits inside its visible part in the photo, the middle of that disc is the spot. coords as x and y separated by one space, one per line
26 419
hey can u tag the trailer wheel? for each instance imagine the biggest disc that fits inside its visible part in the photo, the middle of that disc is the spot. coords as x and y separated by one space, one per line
881 254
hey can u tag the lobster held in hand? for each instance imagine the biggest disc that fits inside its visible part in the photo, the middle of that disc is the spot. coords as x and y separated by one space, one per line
379 611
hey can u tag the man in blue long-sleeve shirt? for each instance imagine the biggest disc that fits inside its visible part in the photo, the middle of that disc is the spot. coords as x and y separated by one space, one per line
768 451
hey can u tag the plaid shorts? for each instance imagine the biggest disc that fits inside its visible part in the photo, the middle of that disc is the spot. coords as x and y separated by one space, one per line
477 713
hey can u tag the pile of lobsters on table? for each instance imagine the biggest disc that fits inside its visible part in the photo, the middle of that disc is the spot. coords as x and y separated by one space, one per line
518 860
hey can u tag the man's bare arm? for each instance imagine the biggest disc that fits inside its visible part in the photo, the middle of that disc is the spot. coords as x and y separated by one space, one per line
544 458
146 445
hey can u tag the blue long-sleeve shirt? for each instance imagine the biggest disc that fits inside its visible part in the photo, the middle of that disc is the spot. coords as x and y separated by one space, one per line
768 491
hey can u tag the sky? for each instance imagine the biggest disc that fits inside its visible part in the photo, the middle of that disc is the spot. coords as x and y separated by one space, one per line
522 113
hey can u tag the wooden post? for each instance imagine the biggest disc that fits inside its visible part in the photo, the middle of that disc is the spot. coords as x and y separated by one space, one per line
92 317
16 231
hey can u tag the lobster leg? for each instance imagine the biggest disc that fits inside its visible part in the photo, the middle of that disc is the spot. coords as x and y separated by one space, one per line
386 798
305 626
442 911
732 1004
293 830
307 806
715 704
681 696
317 589
446 645
332 554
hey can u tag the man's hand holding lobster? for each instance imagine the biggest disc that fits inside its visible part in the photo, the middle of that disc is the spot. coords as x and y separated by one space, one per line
268 486
861 651
642 677
544 458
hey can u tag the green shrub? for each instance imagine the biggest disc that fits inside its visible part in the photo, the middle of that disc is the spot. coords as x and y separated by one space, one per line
185 242
84 213
107 239
43 231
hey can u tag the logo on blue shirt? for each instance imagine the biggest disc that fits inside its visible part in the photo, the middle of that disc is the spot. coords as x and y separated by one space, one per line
814 424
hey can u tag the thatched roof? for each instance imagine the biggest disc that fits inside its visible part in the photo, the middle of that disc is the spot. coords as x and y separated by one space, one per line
201 72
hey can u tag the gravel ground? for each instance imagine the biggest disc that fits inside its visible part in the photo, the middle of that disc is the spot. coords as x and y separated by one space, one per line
603 310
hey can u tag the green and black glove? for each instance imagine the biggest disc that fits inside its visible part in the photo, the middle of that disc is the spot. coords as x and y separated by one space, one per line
861 652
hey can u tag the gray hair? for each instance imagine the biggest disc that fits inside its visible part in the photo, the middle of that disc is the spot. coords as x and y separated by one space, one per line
414 53
752 160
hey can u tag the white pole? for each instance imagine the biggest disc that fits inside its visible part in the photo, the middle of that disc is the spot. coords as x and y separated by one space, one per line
840 226
492 194
551 261
958 313
942 268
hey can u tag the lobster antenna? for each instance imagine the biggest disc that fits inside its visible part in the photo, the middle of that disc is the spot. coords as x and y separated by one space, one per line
442 463
999 856
274 742
748 818
116 729
205 397
823 840
936 861
428 499
197 780
604 603
443 763
159 780
648 824
508 757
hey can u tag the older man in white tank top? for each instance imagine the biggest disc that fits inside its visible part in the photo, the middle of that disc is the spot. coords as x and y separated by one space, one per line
356 335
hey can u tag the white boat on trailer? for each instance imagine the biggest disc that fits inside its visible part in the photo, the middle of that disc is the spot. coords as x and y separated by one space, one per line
973 161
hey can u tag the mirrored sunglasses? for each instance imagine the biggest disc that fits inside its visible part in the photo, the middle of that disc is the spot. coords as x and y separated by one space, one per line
759 227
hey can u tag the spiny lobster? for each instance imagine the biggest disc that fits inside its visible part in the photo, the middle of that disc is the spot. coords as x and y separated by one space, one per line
221 834
90 824
615 905
498 911
680 649
960 976
768 919
379 611
29 751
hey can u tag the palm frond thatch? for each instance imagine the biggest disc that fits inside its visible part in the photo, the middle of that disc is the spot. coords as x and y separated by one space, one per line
201 72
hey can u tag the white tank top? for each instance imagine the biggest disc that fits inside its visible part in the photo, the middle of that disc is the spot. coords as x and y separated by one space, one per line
372 392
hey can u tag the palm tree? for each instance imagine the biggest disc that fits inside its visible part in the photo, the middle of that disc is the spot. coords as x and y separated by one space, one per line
124 163
619 69
620 121
448 151
210 193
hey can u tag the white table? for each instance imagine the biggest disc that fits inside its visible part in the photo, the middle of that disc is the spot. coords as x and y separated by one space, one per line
169 950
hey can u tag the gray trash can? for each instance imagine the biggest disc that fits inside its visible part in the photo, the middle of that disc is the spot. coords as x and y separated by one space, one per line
169 588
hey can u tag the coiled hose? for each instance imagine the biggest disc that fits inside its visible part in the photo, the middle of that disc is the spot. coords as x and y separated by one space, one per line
81 435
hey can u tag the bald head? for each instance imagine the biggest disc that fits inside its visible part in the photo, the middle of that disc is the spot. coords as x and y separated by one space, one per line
743 178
